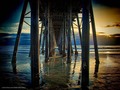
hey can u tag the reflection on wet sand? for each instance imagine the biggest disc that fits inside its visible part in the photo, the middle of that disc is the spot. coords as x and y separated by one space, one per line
19 74
58 74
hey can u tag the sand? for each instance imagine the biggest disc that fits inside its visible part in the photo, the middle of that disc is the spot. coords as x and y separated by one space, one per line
57 74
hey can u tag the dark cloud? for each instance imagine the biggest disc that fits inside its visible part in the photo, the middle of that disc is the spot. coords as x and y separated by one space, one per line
110 3
9 28
114 25
116 38
115 35
100 33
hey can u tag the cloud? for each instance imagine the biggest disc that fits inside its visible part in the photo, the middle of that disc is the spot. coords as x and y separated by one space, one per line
114 25
12 28
100 33
115 35
110 3
9 28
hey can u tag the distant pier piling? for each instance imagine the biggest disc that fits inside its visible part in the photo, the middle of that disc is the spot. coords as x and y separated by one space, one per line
41 33
46 34
43 42
76 52
79 28
64 35
69 34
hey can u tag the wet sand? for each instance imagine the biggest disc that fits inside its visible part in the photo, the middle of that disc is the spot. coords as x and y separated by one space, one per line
58 75
108 77
109 73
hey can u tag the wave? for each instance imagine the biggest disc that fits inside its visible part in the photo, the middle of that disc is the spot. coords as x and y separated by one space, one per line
102 49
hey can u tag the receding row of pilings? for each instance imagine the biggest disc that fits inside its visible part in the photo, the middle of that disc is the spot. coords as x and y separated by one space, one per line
60 37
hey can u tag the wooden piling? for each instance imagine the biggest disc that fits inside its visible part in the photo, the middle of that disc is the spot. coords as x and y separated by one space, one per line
34 4
64 35
79 28
85 43
19 31
76 52
47 34
41 33
49 29
43 41
61 45
51 34
94 38
69 35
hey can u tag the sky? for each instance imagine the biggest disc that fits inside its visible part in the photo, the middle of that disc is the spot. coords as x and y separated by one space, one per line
107 16
106 13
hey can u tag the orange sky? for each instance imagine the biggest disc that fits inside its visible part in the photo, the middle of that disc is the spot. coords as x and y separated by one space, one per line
107 19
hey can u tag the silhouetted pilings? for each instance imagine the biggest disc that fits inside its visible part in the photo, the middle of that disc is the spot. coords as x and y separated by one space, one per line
69 35
85 43
41 33
65 35
43 42
46 34
79 28
52 40
19 31
76 52
34 4
94 38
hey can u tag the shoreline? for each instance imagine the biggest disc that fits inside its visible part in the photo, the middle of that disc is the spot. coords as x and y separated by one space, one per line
108 77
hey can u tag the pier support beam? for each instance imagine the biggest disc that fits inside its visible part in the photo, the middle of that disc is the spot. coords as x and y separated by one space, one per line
64 35
46 34
85 43
43 42
52 40
76 52
19 31
69 35
79 28
34 4
41 33
94 39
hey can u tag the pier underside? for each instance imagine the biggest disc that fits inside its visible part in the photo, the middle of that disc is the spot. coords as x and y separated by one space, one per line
58 19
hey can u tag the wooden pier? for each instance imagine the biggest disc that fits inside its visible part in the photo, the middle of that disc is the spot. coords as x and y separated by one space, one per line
57 18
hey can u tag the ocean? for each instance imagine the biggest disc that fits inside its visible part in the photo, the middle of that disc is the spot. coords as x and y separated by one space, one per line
57 74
